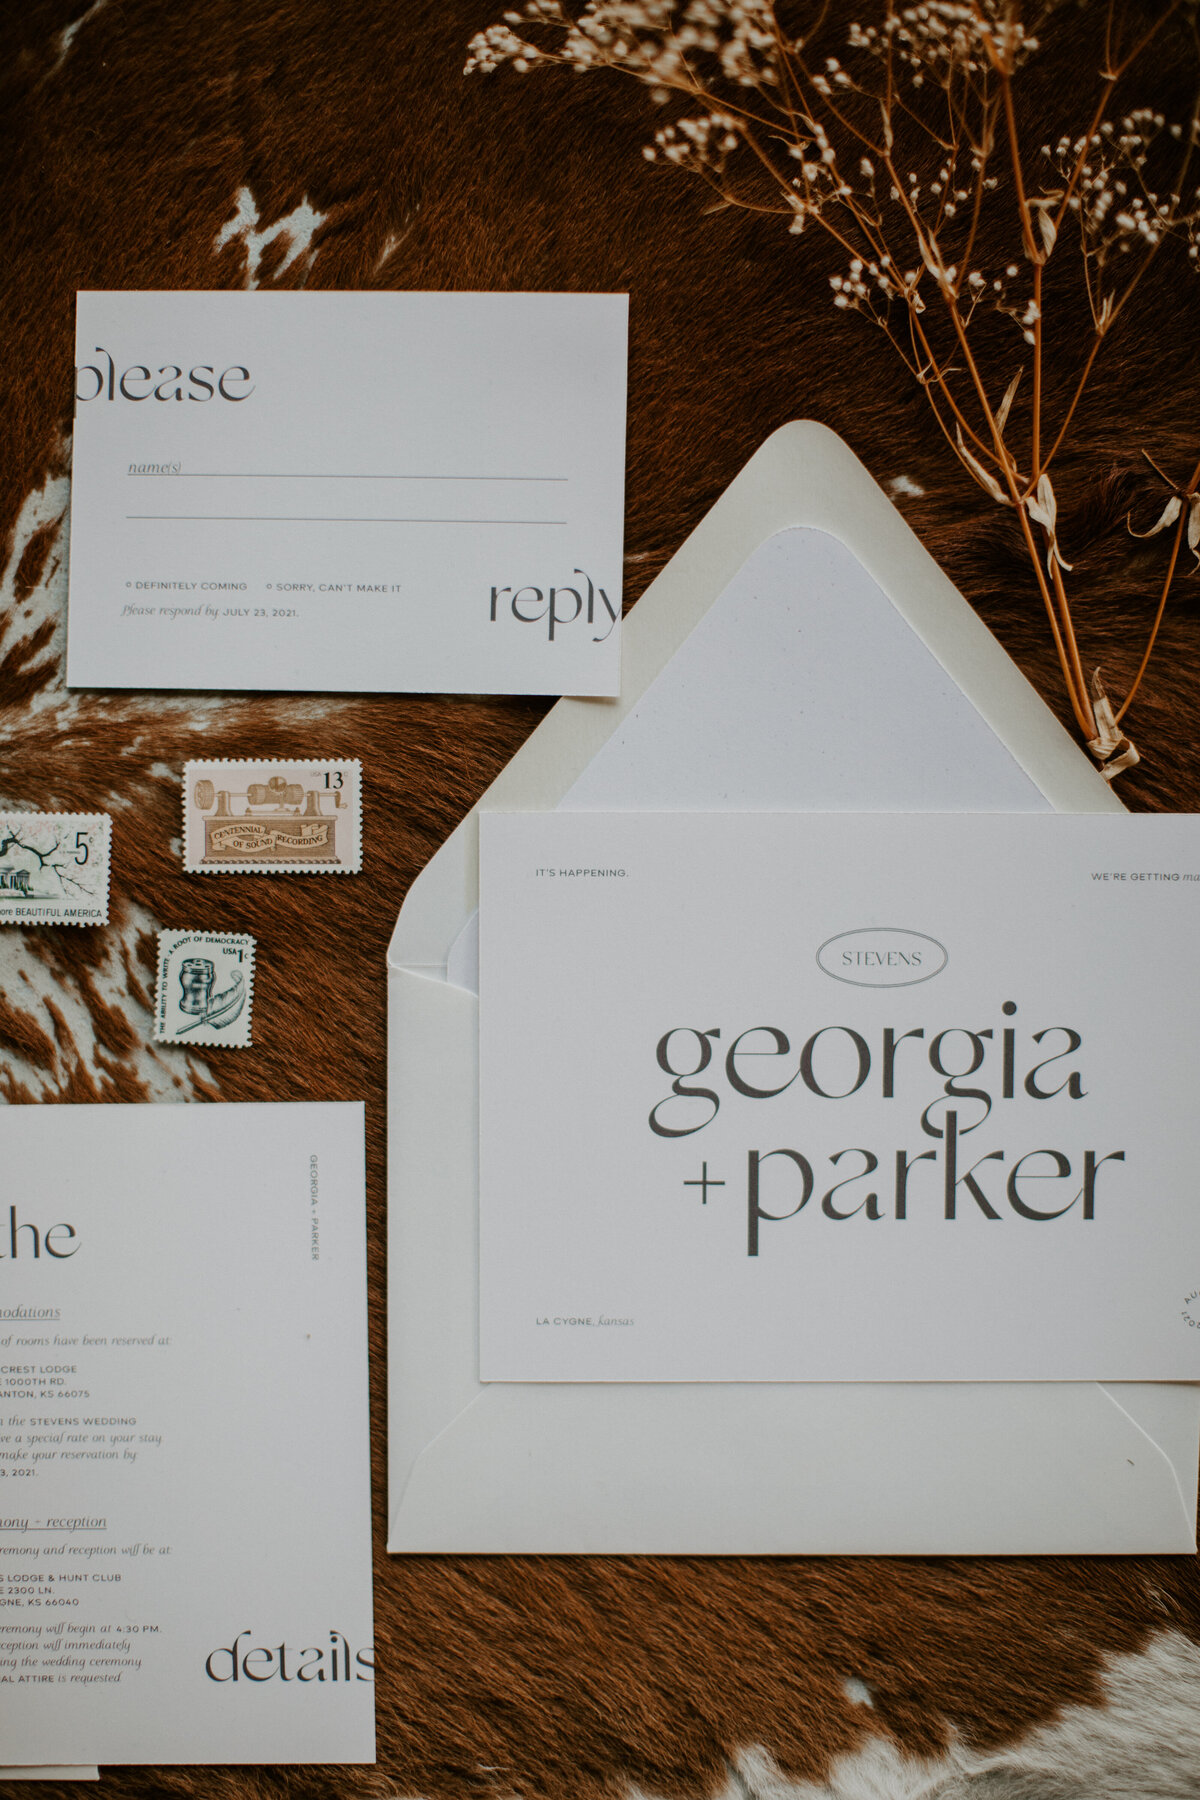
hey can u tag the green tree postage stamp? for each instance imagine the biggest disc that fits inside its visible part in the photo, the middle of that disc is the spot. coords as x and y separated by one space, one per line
54 868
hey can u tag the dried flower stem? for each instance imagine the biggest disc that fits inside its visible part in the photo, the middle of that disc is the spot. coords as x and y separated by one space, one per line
1186 513
900 150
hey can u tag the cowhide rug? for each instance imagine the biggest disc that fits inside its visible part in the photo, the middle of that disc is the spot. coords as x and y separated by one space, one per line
296 142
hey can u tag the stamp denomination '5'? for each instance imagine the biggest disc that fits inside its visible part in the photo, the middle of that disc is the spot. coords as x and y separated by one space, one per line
54 868
272 818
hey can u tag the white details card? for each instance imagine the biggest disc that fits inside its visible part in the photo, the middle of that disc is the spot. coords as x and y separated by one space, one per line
786 1097
185 1558
376 492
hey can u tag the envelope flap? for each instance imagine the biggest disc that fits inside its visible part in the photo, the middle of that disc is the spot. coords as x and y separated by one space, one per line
803 476
761 1470
1168 1413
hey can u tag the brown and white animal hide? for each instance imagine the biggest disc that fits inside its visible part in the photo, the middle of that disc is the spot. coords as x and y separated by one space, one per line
284 143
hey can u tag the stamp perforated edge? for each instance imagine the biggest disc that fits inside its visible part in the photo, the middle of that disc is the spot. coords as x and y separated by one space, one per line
177 932
104 821
194 867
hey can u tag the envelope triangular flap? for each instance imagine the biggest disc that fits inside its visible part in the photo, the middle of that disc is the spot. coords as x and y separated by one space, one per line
802 477
933 1469
800 651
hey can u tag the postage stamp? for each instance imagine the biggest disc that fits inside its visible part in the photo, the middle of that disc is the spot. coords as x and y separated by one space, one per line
205 988
273 818
54 868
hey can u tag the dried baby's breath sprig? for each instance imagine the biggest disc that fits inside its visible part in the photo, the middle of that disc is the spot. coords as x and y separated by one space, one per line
900 142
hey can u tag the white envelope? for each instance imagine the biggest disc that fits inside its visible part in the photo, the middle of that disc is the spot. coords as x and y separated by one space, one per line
801 651
51 1772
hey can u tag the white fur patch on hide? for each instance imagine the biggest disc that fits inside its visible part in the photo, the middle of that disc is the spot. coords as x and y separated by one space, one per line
296 230
1142 1742
46 602
32 980
69 33
33 985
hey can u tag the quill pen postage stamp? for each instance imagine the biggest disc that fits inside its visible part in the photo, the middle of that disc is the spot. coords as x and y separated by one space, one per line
205 989
273 818
54 868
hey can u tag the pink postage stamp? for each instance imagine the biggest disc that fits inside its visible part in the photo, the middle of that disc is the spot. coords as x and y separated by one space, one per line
273 818
205 989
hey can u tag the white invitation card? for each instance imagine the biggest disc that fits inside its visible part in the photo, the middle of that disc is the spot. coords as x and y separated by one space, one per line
348 491
185 1552
786 1097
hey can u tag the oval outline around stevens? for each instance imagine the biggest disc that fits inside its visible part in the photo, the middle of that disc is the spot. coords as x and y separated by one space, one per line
876 931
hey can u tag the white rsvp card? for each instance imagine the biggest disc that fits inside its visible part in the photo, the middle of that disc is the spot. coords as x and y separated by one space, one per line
377 492
786 1097
185 1547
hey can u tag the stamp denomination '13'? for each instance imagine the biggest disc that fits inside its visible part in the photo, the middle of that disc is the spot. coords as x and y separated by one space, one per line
265 818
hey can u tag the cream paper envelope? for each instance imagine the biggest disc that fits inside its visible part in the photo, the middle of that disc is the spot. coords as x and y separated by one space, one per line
801 651
50 1772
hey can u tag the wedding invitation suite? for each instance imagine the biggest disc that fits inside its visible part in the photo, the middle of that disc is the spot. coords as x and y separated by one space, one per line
788 1097
185 1558
348 491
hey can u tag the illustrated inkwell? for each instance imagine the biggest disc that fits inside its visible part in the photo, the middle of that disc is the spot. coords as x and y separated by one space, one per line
198 978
